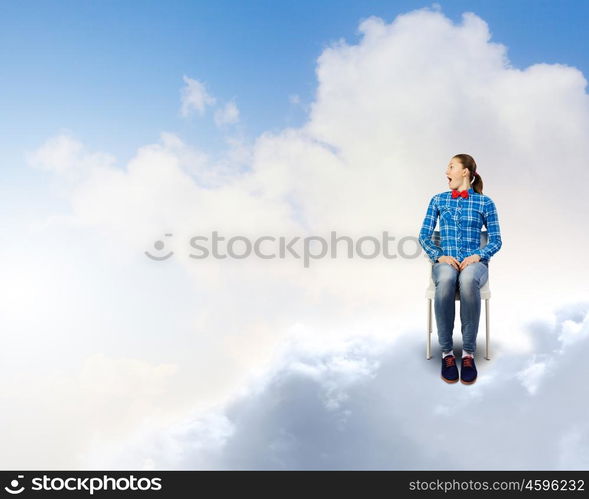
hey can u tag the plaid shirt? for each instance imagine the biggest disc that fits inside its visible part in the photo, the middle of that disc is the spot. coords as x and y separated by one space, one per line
460 226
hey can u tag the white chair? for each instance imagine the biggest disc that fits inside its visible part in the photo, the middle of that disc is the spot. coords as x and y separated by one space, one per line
431 291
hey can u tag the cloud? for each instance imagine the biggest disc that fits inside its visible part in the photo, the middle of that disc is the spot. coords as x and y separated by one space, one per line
380 405
389 111
194 97
54 412
227 115
68 158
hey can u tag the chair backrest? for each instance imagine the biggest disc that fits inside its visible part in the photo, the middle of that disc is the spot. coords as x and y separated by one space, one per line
436 238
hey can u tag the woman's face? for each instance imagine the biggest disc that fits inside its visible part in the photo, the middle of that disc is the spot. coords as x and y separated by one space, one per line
454 172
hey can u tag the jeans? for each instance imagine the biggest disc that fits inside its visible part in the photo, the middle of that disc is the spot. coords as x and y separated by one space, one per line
468 281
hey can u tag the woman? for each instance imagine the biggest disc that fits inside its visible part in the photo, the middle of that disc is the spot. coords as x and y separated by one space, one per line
460 262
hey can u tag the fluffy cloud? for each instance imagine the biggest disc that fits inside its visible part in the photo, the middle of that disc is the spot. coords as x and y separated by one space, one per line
379 405
227 115
60 408
195 97
389 112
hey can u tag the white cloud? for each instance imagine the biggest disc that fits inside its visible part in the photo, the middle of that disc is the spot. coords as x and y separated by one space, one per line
392 411
195 97
574 447
64 409
68 158
227 115
531 375
389 113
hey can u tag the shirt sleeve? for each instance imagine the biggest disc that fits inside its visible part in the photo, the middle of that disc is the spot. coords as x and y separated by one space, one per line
491 222
427 229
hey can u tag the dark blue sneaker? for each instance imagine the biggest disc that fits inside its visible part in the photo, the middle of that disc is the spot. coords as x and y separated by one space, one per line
468 370
449 369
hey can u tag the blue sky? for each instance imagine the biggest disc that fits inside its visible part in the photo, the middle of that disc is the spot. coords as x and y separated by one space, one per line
111 71
134 363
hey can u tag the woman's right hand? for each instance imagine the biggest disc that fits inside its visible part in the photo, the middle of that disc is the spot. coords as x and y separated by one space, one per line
450 260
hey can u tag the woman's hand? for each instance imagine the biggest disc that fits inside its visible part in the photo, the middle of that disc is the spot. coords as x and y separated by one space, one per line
469 259
450 260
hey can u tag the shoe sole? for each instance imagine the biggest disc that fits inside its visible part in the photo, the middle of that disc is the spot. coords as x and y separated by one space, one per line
449 380
467 382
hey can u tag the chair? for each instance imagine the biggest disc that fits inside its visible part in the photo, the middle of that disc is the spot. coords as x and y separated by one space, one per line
430 294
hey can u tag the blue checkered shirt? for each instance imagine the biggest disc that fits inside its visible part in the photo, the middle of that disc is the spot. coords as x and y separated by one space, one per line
460 226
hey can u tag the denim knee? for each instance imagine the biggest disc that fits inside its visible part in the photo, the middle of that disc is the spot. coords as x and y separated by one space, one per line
472 275
444 275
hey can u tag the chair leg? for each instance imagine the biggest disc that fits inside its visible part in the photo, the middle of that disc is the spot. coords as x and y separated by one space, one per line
428 353
487 321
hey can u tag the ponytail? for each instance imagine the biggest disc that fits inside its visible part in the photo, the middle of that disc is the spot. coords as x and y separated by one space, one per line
469 163
477 183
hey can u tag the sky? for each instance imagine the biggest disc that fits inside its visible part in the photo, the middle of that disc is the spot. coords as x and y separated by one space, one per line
110 71
129 128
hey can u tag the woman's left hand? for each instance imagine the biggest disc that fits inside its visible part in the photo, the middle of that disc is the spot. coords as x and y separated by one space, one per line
469 259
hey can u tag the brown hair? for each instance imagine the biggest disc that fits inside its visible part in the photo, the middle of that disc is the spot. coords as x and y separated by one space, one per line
469 163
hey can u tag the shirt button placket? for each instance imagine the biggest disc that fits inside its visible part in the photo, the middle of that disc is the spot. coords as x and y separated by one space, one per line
459 231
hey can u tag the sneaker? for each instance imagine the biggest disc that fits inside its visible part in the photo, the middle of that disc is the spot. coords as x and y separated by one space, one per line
449 369
468 370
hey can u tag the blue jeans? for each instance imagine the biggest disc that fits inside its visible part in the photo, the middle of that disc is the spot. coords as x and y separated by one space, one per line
469 281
